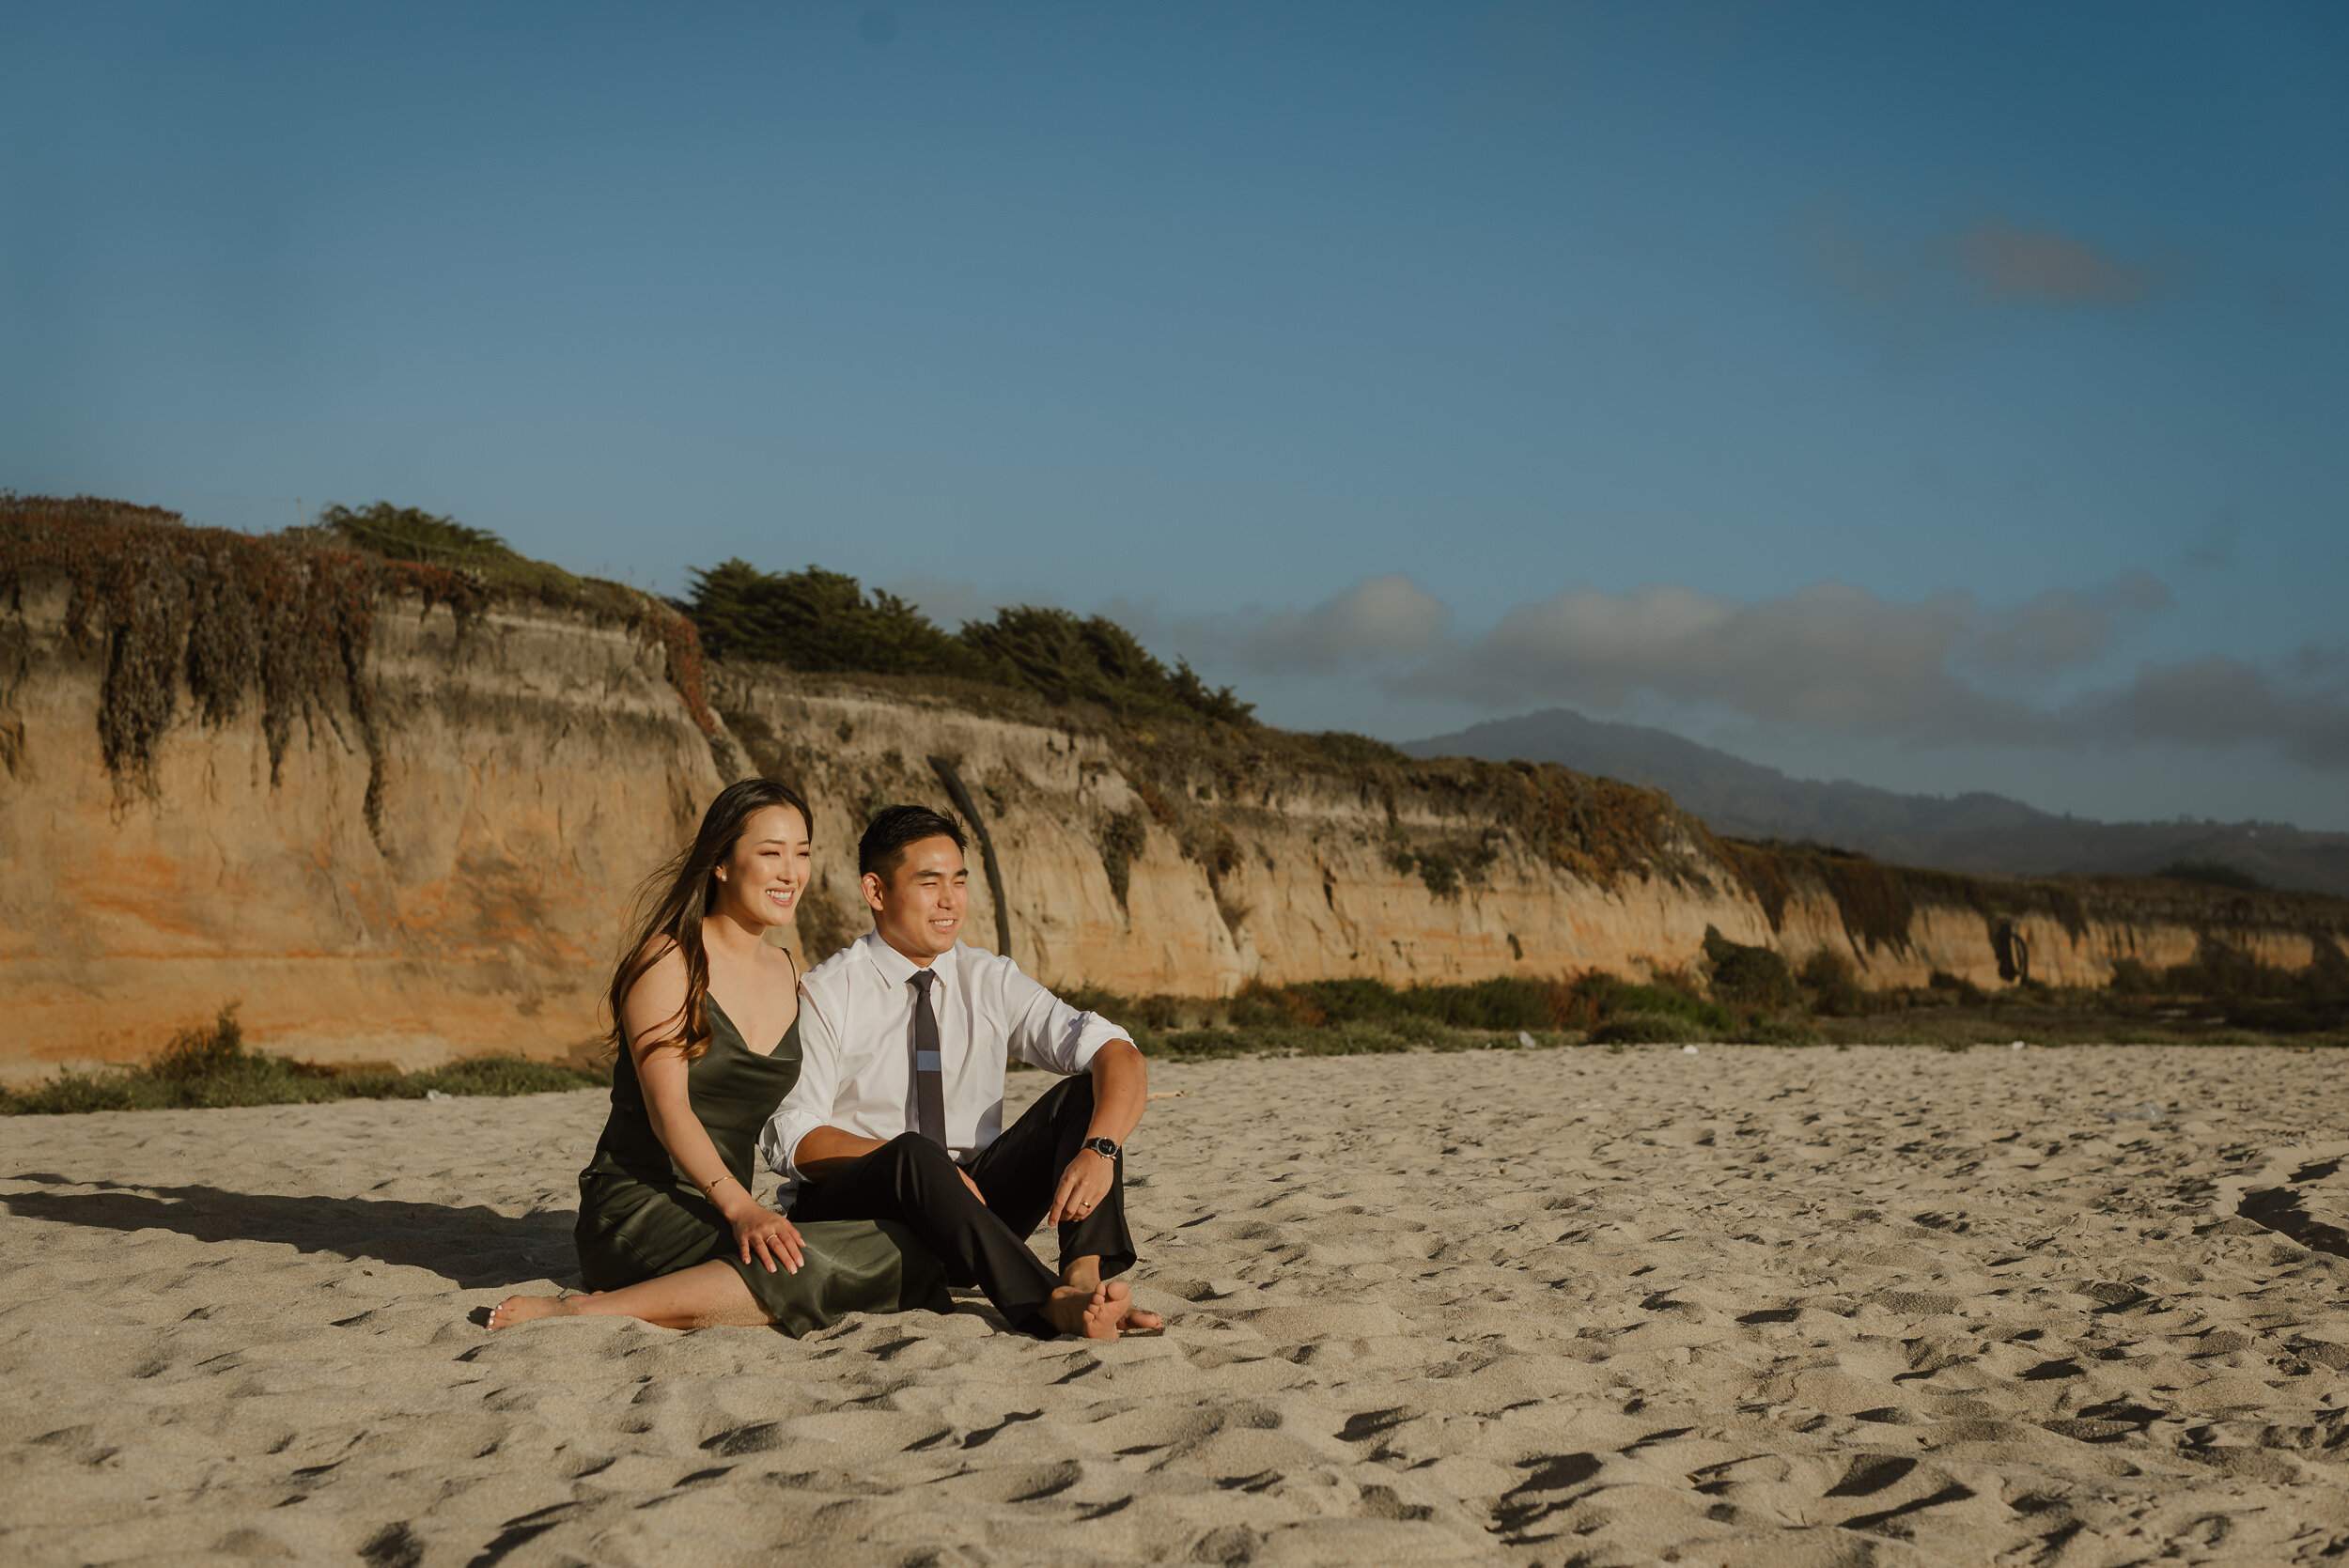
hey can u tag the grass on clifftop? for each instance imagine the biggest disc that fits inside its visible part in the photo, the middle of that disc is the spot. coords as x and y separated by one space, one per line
221 622
208 1066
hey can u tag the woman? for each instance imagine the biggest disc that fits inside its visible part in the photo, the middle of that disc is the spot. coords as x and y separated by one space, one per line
668 1231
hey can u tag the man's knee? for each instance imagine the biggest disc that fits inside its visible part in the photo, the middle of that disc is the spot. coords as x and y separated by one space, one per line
918 1163
911 1150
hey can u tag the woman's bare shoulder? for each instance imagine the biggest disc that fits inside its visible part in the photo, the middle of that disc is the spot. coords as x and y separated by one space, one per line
659 966
659 953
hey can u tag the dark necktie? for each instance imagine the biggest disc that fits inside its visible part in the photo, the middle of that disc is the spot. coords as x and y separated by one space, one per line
930 1077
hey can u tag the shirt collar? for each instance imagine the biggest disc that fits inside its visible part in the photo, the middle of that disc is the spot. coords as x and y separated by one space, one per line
896 968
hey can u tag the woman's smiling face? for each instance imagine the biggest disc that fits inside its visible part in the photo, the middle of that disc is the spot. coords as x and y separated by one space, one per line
767 870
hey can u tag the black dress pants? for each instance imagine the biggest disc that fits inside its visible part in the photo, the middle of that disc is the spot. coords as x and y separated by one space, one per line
914 1181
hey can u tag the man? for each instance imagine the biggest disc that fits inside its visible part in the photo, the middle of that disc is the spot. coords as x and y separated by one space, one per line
898 1113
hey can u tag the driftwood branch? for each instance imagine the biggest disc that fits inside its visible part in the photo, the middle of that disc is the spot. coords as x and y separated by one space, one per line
963 803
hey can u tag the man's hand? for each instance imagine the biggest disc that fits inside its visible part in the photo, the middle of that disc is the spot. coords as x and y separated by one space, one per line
1082 1185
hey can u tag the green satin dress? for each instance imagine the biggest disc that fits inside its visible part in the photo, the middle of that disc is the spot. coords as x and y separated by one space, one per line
640 1216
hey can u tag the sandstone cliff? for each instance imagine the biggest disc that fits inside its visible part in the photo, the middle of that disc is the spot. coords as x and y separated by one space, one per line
1146 867
435 859
530 768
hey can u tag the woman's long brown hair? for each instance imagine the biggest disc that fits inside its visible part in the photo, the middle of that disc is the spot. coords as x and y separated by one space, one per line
674 901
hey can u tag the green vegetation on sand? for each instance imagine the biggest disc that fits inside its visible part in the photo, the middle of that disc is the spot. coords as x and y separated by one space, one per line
2202 1004
209 1066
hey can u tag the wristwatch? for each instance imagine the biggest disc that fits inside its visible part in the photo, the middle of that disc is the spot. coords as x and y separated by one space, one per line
1106 1148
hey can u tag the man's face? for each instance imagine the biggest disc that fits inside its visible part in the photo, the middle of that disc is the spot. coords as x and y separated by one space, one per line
918 906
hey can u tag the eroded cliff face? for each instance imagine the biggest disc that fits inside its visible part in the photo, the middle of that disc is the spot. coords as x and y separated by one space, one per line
537 766
2113 922
1298 879
1191 879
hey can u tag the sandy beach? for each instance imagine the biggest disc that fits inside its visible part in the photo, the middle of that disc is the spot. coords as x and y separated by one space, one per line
1748 1306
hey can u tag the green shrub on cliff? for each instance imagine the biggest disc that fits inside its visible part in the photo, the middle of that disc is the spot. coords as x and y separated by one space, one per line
818 621
1833 984
1065 659
411 534
826 622
1748 976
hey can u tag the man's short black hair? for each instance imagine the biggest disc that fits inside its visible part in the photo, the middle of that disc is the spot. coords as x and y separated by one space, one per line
893 827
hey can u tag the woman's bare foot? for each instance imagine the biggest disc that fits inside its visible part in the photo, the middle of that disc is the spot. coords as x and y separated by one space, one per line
523 1308
1102 1313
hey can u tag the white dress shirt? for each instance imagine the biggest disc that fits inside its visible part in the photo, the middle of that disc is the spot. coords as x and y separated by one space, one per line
856 1051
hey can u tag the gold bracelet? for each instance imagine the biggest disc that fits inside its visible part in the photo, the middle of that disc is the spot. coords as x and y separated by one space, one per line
713 1185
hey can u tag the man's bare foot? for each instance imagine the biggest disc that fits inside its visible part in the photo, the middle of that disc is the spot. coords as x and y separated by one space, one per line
1074 1309
1086 1274
1103 1313
523 1308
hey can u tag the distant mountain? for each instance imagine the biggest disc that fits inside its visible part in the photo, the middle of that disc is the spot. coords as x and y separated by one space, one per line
1972 833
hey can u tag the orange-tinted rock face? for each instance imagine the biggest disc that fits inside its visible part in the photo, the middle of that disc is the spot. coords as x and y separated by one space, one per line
1306 884
1960 942
537 767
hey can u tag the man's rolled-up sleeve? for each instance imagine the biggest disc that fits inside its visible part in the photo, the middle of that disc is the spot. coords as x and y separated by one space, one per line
1046 1032
809 1103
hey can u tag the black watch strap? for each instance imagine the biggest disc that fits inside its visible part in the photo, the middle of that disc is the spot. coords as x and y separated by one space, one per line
1106 1148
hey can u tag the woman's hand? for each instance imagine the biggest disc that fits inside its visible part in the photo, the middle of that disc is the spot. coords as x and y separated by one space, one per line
766 1236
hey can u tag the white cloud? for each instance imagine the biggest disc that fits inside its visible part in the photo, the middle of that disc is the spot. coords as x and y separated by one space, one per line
2061 628
1991 262
1383 619
1829 657
1830 660
2300 711
1379 622
2014 263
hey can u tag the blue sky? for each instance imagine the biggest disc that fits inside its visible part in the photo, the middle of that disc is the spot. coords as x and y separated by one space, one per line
1949 397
